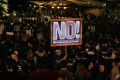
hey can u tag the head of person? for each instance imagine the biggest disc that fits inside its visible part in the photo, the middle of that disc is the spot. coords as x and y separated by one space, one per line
80 69
58 52
101 68
29 54
90 65
117 61
113 55
14 55
14 13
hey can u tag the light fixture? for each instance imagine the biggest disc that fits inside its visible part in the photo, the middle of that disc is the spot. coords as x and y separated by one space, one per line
41 6
53 7
58 7
34 6
64 7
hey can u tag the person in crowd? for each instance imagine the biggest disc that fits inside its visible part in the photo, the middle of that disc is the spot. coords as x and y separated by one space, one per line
44 74
90 69
73 50
115 72
14 63
30 63
91 54
81 73
80 53
23 44
101 73
97 47
41 58
64 72
13 68
59 56
114 54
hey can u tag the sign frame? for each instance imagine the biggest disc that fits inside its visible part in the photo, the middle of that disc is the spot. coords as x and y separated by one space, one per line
65 44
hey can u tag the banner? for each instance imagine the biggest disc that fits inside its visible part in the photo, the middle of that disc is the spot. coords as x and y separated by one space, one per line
66 32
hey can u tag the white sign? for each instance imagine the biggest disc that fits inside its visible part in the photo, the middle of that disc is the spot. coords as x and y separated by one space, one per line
66 32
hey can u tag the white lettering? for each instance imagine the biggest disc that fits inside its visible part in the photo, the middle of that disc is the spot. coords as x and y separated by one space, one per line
66 30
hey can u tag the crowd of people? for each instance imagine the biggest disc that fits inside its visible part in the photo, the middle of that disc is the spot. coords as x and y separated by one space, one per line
25 48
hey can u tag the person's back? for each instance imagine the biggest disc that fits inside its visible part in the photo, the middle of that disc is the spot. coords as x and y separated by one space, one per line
44 74
115 72
64 72
82 73
117 77
102 72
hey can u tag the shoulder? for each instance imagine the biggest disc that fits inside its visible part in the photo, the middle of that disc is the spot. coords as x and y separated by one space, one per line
117 77
115 70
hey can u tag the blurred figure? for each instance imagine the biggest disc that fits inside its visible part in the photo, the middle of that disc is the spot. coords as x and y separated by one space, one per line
64 72
44 74
115 72
113 55
30 62
102 72
91 54
13 68
14 64
97 47
82 73
90 69
59 56
41 58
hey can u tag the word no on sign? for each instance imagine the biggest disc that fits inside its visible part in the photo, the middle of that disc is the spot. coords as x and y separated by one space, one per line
66 32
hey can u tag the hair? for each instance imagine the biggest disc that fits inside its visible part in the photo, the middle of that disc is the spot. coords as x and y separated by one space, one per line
44 74
117 59
81 72
103 64
80 68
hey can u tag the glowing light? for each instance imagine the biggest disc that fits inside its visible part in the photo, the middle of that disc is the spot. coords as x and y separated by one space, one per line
34 6
64 7
30 5
53 7
58 7
41 6
104 4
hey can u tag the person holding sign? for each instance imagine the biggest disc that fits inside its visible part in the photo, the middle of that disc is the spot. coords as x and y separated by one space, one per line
59 57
